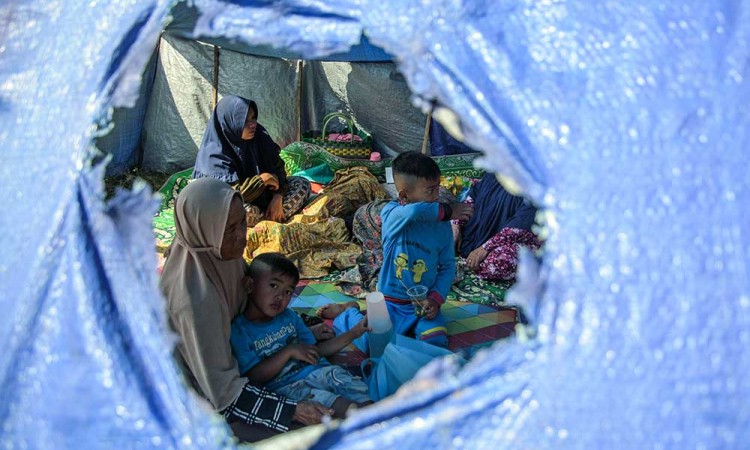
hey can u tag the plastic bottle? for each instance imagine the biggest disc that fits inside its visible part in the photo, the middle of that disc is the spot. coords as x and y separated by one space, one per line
379 321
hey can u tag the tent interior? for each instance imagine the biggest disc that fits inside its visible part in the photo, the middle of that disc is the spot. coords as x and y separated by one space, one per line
181 85
626 120
186 76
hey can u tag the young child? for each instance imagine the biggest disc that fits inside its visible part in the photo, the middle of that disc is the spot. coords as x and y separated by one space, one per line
274 347
417 250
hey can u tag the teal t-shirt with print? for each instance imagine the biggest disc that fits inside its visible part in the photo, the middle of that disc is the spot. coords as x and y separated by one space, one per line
252 342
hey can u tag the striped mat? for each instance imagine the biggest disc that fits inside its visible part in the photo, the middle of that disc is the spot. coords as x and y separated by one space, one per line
471 326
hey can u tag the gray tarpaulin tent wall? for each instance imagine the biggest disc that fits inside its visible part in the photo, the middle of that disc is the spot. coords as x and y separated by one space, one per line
163 132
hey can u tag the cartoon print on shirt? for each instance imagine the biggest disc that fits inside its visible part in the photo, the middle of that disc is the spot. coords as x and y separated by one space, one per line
401 261
418 269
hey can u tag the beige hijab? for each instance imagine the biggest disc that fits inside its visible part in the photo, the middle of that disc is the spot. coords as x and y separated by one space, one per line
204 293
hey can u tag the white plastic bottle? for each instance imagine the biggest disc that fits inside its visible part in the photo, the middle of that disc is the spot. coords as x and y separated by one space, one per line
380 323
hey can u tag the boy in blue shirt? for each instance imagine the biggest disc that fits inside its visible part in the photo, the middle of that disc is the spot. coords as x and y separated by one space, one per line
417 250
274 348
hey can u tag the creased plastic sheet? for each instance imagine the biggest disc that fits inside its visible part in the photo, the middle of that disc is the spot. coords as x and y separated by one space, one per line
86 360
374 94
121 137
182 100
627 121
180 105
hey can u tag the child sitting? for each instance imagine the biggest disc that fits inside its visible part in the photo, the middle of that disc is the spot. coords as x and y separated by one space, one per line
274 347
417 250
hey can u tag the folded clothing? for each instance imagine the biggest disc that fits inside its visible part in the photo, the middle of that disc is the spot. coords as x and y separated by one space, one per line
321 173
341 137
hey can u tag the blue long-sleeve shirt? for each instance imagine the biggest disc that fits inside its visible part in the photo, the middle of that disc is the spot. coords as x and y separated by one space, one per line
417 249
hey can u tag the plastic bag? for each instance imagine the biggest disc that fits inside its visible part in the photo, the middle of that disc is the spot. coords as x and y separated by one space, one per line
400 362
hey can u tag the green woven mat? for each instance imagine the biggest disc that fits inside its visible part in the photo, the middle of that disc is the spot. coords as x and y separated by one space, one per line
299 156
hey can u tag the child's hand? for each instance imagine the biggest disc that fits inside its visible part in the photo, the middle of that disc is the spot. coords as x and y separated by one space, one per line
247 283
430 308
462 211
303 352
360 328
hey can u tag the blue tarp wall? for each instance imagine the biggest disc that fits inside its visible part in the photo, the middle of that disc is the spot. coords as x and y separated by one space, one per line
626 120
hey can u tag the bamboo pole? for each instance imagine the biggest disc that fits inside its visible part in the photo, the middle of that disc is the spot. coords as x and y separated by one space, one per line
215 98
299 99
426 137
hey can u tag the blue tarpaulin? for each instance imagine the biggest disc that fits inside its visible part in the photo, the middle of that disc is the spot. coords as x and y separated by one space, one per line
625 120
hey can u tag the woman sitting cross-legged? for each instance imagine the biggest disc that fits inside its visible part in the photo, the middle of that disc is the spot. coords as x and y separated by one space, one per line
238 150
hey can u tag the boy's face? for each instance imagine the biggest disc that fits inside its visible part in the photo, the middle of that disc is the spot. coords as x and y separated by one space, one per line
414 190
272 292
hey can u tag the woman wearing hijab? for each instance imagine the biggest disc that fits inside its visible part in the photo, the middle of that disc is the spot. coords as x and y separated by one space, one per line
501 223
238 150
203 284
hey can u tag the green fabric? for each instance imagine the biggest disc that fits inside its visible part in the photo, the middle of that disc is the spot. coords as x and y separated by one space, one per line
164 228
299 156
475 290
319 174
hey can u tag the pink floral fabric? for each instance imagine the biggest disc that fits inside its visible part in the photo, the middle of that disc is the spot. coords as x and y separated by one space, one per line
502 257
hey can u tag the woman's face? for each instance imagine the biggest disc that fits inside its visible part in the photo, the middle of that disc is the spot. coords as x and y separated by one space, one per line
251 122
235 235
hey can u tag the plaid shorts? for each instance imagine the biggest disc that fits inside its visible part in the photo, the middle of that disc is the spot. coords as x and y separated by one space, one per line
325 384
256 405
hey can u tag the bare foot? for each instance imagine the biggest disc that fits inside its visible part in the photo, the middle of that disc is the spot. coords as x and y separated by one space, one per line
332 310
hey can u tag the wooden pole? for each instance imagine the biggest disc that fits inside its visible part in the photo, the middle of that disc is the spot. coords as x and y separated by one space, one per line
299 99
215 99
426 137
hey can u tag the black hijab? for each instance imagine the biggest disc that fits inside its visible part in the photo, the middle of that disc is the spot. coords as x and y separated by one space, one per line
494 209
225 156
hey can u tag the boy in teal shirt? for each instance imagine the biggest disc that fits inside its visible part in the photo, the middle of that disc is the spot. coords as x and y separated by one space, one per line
275 349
